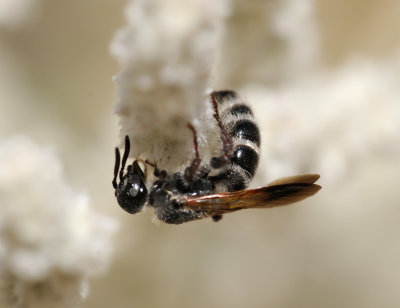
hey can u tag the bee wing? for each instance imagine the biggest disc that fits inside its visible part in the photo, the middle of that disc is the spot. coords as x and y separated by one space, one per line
303 178
280 192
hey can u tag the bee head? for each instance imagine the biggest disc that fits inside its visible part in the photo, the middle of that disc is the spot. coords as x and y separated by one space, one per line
131 191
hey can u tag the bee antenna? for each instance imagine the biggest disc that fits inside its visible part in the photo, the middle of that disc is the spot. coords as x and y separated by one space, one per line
116 167
125 157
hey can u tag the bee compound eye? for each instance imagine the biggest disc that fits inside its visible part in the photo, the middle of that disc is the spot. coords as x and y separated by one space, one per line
134 190
134 182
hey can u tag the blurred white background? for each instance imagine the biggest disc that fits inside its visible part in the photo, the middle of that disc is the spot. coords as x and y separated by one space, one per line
323 79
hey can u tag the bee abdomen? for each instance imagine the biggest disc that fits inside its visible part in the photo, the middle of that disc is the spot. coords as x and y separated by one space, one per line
239 124
240 109
246 158
246 129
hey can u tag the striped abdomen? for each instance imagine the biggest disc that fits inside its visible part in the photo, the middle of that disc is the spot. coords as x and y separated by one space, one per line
242 142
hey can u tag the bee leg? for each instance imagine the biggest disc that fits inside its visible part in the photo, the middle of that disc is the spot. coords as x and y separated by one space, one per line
161 174
190 171
226 139
217 218
204 171
172 211
180 183
157 172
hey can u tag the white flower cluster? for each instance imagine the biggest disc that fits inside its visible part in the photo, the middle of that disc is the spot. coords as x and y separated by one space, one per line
50 238
16 12
312 118
302 50
167 53
332 121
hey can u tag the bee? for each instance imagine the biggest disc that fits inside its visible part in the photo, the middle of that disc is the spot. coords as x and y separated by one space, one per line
210 190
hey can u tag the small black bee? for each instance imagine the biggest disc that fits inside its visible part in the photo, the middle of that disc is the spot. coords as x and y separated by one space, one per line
211 189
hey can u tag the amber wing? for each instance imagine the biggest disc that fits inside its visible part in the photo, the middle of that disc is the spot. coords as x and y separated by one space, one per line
280 192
